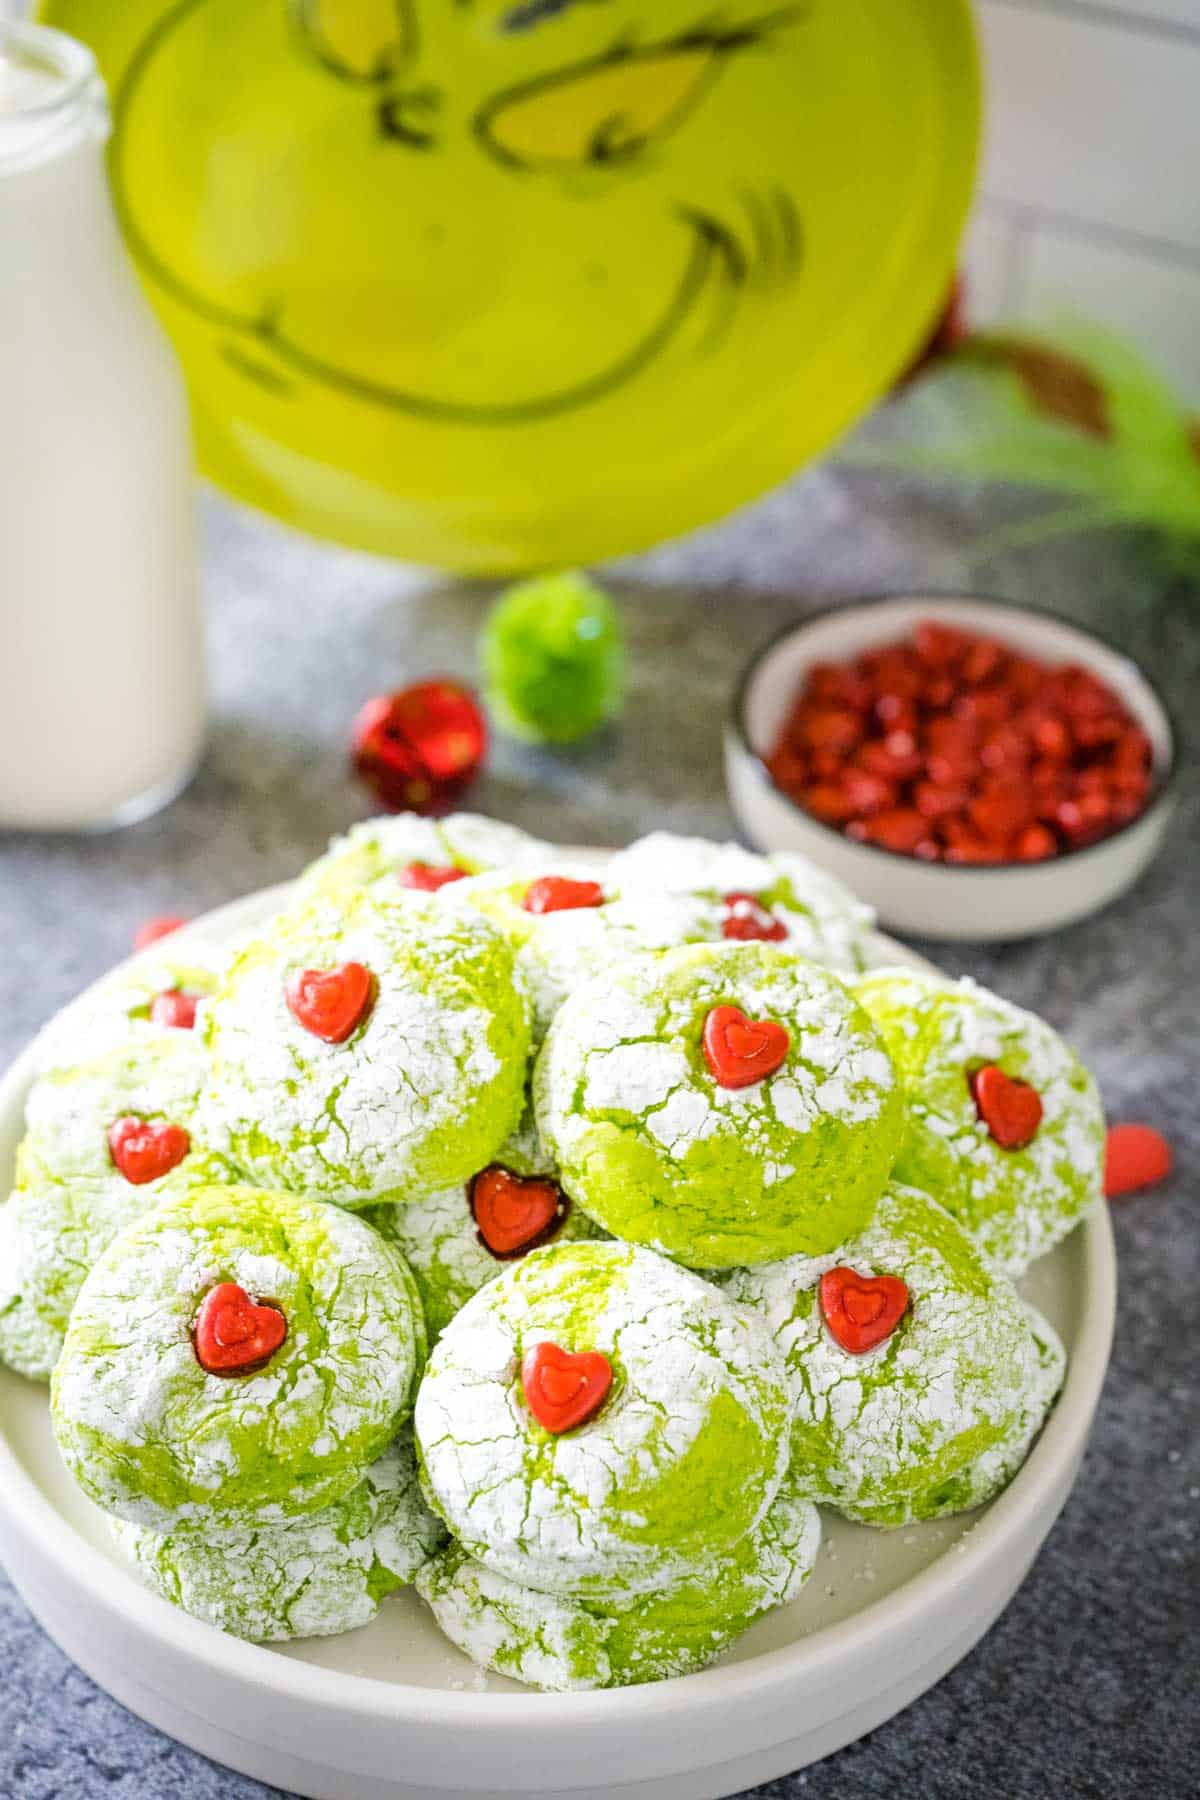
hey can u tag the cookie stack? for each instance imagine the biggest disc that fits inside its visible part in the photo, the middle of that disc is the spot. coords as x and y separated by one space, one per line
557 1232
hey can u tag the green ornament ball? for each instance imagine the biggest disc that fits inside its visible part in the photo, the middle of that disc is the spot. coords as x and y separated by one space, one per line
553 659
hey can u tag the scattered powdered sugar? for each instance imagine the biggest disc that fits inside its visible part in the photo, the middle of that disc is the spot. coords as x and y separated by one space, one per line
425 1089
904 1431
154 1438
580 1514
312 1577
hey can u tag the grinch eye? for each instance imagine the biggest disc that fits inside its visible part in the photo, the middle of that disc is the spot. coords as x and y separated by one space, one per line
608 110
359 40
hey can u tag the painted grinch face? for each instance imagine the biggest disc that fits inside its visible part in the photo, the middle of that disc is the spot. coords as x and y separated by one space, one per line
492 284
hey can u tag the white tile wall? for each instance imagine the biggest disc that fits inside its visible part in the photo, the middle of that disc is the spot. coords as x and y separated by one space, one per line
1090 194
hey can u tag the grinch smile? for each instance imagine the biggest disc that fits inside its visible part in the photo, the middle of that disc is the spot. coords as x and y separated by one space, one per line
261 349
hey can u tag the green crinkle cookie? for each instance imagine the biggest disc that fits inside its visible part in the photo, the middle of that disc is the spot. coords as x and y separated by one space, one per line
1017 1204
659 1153
312 1577
151 1436
440 1240
682 1460
373 853
551 1642
422 1094
822 919
71 1200
553 658
937 1417
116 1011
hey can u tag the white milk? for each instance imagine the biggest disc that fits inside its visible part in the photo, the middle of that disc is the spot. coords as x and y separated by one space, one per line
101 650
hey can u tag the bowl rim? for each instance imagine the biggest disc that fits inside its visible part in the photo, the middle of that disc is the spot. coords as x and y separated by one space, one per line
946 599
997 1536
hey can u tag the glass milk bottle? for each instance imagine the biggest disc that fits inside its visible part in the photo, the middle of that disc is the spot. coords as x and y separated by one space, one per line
101 646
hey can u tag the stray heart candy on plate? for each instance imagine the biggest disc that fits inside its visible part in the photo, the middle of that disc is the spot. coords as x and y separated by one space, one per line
1135 1157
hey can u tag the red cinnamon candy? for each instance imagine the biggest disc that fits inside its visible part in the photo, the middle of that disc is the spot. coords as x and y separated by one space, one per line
1011 1109
514 1212
331 1003
1135 1157
429 878
1005 758
747 920
145 1149
160 926
861 1311
564 1388
557 893
174 1008
235 1335
741 1051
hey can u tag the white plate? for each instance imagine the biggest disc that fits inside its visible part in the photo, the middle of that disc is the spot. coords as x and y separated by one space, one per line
393 1712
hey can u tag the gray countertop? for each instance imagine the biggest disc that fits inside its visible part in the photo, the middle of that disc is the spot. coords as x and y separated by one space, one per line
1088 1684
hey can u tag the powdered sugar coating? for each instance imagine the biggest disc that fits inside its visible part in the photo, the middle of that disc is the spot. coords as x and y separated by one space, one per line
682 1460
312 1577
71 1200
659 1153
931 1420
421 1095
439 1239
116 1011
373 853
823 919
152 1437
1016 1204
551 1642
556 952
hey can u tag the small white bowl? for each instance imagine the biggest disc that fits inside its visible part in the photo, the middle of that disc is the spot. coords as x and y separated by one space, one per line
929 899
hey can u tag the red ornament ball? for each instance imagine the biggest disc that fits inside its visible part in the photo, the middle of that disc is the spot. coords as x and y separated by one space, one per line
419 748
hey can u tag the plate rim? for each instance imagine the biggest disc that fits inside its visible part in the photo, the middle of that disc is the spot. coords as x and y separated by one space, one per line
1007 1528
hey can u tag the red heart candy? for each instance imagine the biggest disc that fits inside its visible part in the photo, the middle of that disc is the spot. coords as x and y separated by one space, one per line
555 893
330 1003
174 1007
427 878
861 1310
150 930
1011 1110
564 1388
143 1151
740 1051
1135 1156
747 920
514 1212
235 1335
